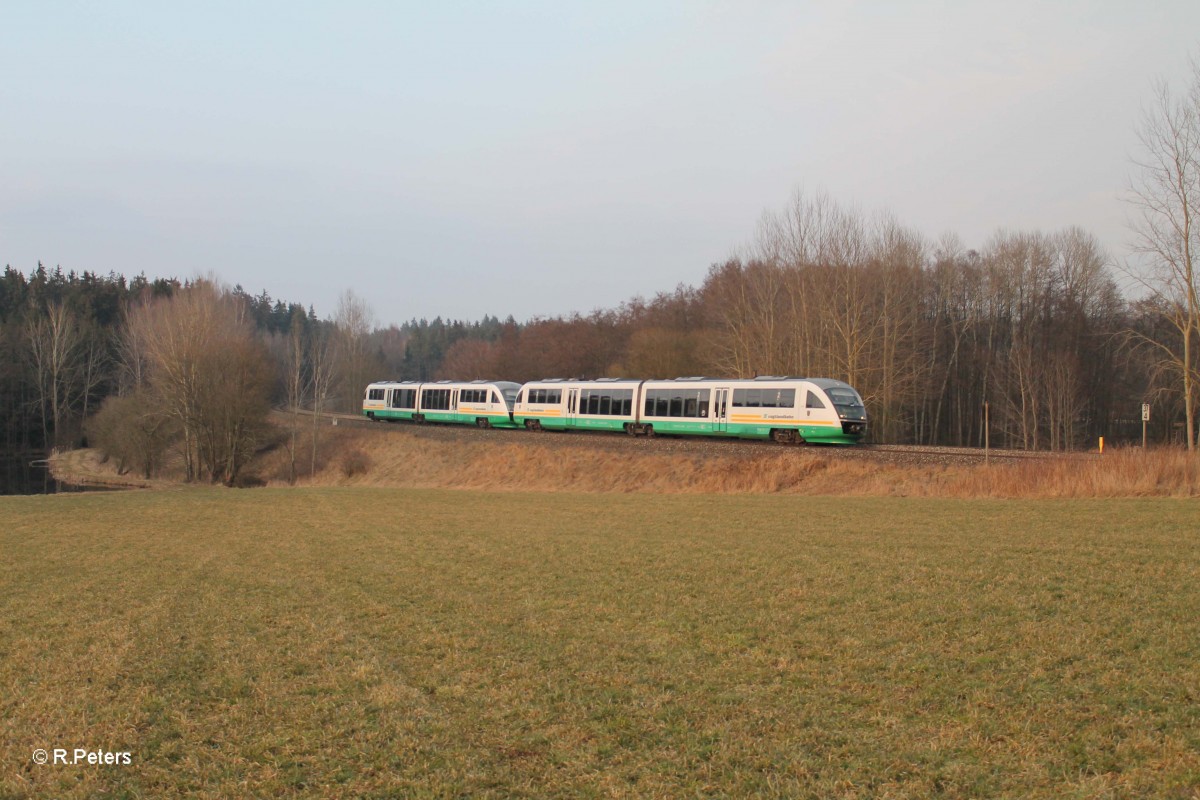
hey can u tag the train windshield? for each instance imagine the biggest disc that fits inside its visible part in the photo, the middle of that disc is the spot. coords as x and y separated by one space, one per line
510 398
847 404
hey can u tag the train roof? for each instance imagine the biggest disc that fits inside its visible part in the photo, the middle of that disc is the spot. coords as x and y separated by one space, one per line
445 383
824 383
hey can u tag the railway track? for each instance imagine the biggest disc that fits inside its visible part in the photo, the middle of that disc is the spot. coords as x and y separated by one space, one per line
698 446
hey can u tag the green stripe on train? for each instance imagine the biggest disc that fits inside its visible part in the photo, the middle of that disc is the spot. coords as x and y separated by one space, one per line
831 434
446 417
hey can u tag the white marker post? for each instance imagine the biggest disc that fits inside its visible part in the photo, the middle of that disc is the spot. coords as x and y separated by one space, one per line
1145 419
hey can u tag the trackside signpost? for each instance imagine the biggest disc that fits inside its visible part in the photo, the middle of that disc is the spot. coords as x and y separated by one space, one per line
1145 419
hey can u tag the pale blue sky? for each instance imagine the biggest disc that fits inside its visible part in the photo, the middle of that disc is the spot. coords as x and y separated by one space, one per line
462 159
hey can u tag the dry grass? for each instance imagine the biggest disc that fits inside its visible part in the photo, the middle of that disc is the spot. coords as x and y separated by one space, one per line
87 467
399 459
353 642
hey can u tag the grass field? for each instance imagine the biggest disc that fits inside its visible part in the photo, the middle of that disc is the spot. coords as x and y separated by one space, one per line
432 643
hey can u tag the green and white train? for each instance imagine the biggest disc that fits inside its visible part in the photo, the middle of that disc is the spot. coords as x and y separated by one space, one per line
782 409
487 404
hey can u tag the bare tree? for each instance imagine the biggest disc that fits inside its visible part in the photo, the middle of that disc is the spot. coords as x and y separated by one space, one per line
294 384
208 372
57 353
322 372
354 321
1165 198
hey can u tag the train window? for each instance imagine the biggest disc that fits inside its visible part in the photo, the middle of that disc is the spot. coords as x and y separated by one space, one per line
375 394
747 398
435 399
813 401
626 403
778 398
657 404
665 402
605 404
495 398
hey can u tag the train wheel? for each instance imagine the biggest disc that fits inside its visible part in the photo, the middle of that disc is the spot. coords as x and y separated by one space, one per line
648 430
785 436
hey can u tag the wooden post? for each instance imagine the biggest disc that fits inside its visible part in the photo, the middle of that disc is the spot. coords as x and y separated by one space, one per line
987 443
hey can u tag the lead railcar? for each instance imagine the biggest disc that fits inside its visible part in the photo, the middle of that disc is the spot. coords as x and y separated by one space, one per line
784 409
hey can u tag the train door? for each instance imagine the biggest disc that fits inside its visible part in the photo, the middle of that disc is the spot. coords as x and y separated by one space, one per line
572 407
721 411
454 401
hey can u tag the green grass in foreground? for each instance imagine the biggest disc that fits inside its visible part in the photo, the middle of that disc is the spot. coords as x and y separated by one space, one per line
436 643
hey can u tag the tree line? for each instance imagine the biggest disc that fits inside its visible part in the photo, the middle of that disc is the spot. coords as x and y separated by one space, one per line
158 369
1028 336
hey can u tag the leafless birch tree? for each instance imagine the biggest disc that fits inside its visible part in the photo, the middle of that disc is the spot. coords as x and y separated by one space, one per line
1165 199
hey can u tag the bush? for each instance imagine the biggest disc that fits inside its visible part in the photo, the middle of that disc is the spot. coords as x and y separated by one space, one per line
131 431
355 462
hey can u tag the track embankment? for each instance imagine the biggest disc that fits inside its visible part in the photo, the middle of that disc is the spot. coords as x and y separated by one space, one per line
382 454
355 452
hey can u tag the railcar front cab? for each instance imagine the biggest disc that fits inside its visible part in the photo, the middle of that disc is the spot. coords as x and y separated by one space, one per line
786 410
848 404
